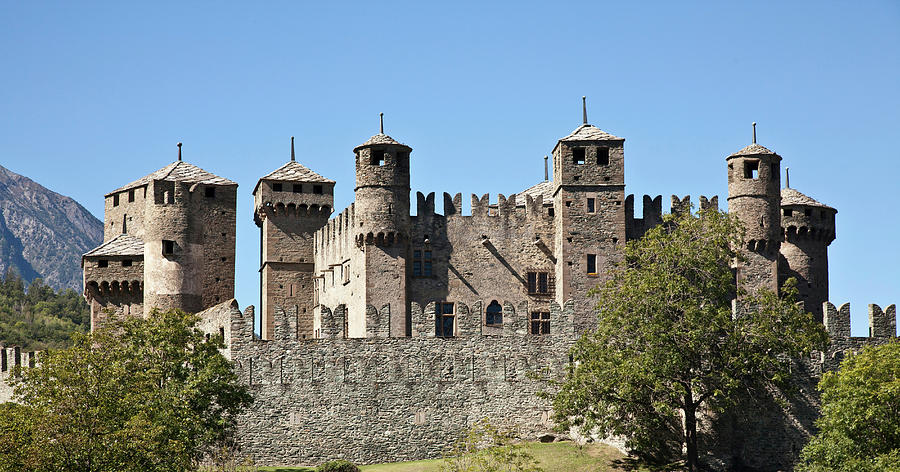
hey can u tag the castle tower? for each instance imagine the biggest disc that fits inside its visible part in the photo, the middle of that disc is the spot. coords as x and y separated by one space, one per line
382 233
589 213
809 229
754 196
289 205
169 242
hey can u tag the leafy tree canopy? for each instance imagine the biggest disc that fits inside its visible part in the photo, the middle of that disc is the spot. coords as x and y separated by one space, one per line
667 344
151 395
859 429
38 318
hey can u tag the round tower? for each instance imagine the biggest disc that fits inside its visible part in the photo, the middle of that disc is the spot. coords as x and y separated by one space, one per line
809 229
382 190
754 196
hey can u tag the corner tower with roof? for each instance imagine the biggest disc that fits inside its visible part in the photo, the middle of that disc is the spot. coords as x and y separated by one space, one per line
289 205
754 196
169 242
589 212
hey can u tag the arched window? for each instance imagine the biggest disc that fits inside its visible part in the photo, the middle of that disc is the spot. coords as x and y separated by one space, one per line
493 314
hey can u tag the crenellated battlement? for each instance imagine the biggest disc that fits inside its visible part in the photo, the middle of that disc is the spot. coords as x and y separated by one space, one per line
653 212
12 358
882 323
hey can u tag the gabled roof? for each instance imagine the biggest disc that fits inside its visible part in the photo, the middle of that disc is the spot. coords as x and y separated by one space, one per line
180 171
379 139
293 171
588 132
752 150
544 188
790 196
121 245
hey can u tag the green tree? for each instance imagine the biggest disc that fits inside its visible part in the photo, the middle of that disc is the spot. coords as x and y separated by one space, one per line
485 448
859 429
667 346
138 394
39 317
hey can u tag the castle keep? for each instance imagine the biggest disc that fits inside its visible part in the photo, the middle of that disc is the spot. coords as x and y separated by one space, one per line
385 333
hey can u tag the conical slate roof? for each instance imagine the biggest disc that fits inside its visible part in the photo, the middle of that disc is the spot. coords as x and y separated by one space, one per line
178 171
588 132
790 196
121 245
380 139
293 171
752 150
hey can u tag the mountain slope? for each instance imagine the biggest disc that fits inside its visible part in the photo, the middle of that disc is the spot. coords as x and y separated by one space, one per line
42 233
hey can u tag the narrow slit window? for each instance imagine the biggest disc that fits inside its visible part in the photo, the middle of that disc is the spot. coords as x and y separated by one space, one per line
592 264
590 205
602 156
578 156
116 200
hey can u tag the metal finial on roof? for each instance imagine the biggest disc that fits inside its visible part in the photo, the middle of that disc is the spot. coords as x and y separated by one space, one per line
546 170
381 128
754 132
584 108
293 158
787 176
179 151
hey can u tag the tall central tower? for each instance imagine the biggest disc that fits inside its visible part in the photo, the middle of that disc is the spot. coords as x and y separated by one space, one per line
382 213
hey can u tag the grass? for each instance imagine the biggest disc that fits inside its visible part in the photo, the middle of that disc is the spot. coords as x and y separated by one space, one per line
552 457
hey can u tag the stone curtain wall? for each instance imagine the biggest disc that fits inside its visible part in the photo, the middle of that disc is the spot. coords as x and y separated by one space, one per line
381 399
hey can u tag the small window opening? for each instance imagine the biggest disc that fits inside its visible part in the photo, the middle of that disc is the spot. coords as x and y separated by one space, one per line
116 200
807 212
209 192
493 314
377 158
568 203
103 263
443 319
168 247
578 156
130 196
602 156
540 323
550 211
317 189
277 187
788 212
592 264
126 263
538 283
422 263
222 332
751 169
222 259
297 188
590 205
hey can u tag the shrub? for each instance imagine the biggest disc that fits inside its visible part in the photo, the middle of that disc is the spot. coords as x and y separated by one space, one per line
337 466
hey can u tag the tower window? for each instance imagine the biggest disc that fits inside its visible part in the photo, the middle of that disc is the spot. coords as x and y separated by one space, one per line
592 264
130 196
377 157
443 319
538 283
540 322
807 212
493 314
210 192
788 212
317 189
277 187
126 263
578 156
602 156
751 169
103 263
168 247
422 263
116 200
590 205
297 188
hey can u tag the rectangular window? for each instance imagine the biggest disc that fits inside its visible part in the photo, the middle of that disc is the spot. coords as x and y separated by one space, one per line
422 263
210 192
578 156
116 200
540 323
377 157
346 272
538 283
592 264
130 196
417 263
751 169
297 188
168 247
126 263
317 189
103 263
788 212
590 205
602 156
443 319
277 187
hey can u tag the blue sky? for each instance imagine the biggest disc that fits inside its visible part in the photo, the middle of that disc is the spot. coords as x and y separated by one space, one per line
94 95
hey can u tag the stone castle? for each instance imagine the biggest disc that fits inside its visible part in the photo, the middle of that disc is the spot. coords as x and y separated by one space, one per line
384 334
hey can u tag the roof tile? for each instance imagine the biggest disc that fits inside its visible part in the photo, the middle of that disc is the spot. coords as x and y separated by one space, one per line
790 196
121 245
178 171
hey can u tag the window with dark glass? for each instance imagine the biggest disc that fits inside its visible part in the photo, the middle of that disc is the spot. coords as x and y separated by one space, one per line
592 264
103 263
443 319
116 200
126 263
168 247
538 283
422 263
540 322
590 205
493 314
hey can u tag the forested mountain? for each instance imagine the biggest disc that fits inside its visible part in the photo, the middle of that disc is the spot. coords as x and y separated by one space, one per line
39 317
42 233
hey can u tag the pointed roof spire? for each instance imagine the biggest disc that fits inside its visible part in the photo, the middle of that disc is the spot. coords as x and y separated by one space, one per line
546 169
754 132
584 109
293 157
787 176
381 127
179 151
